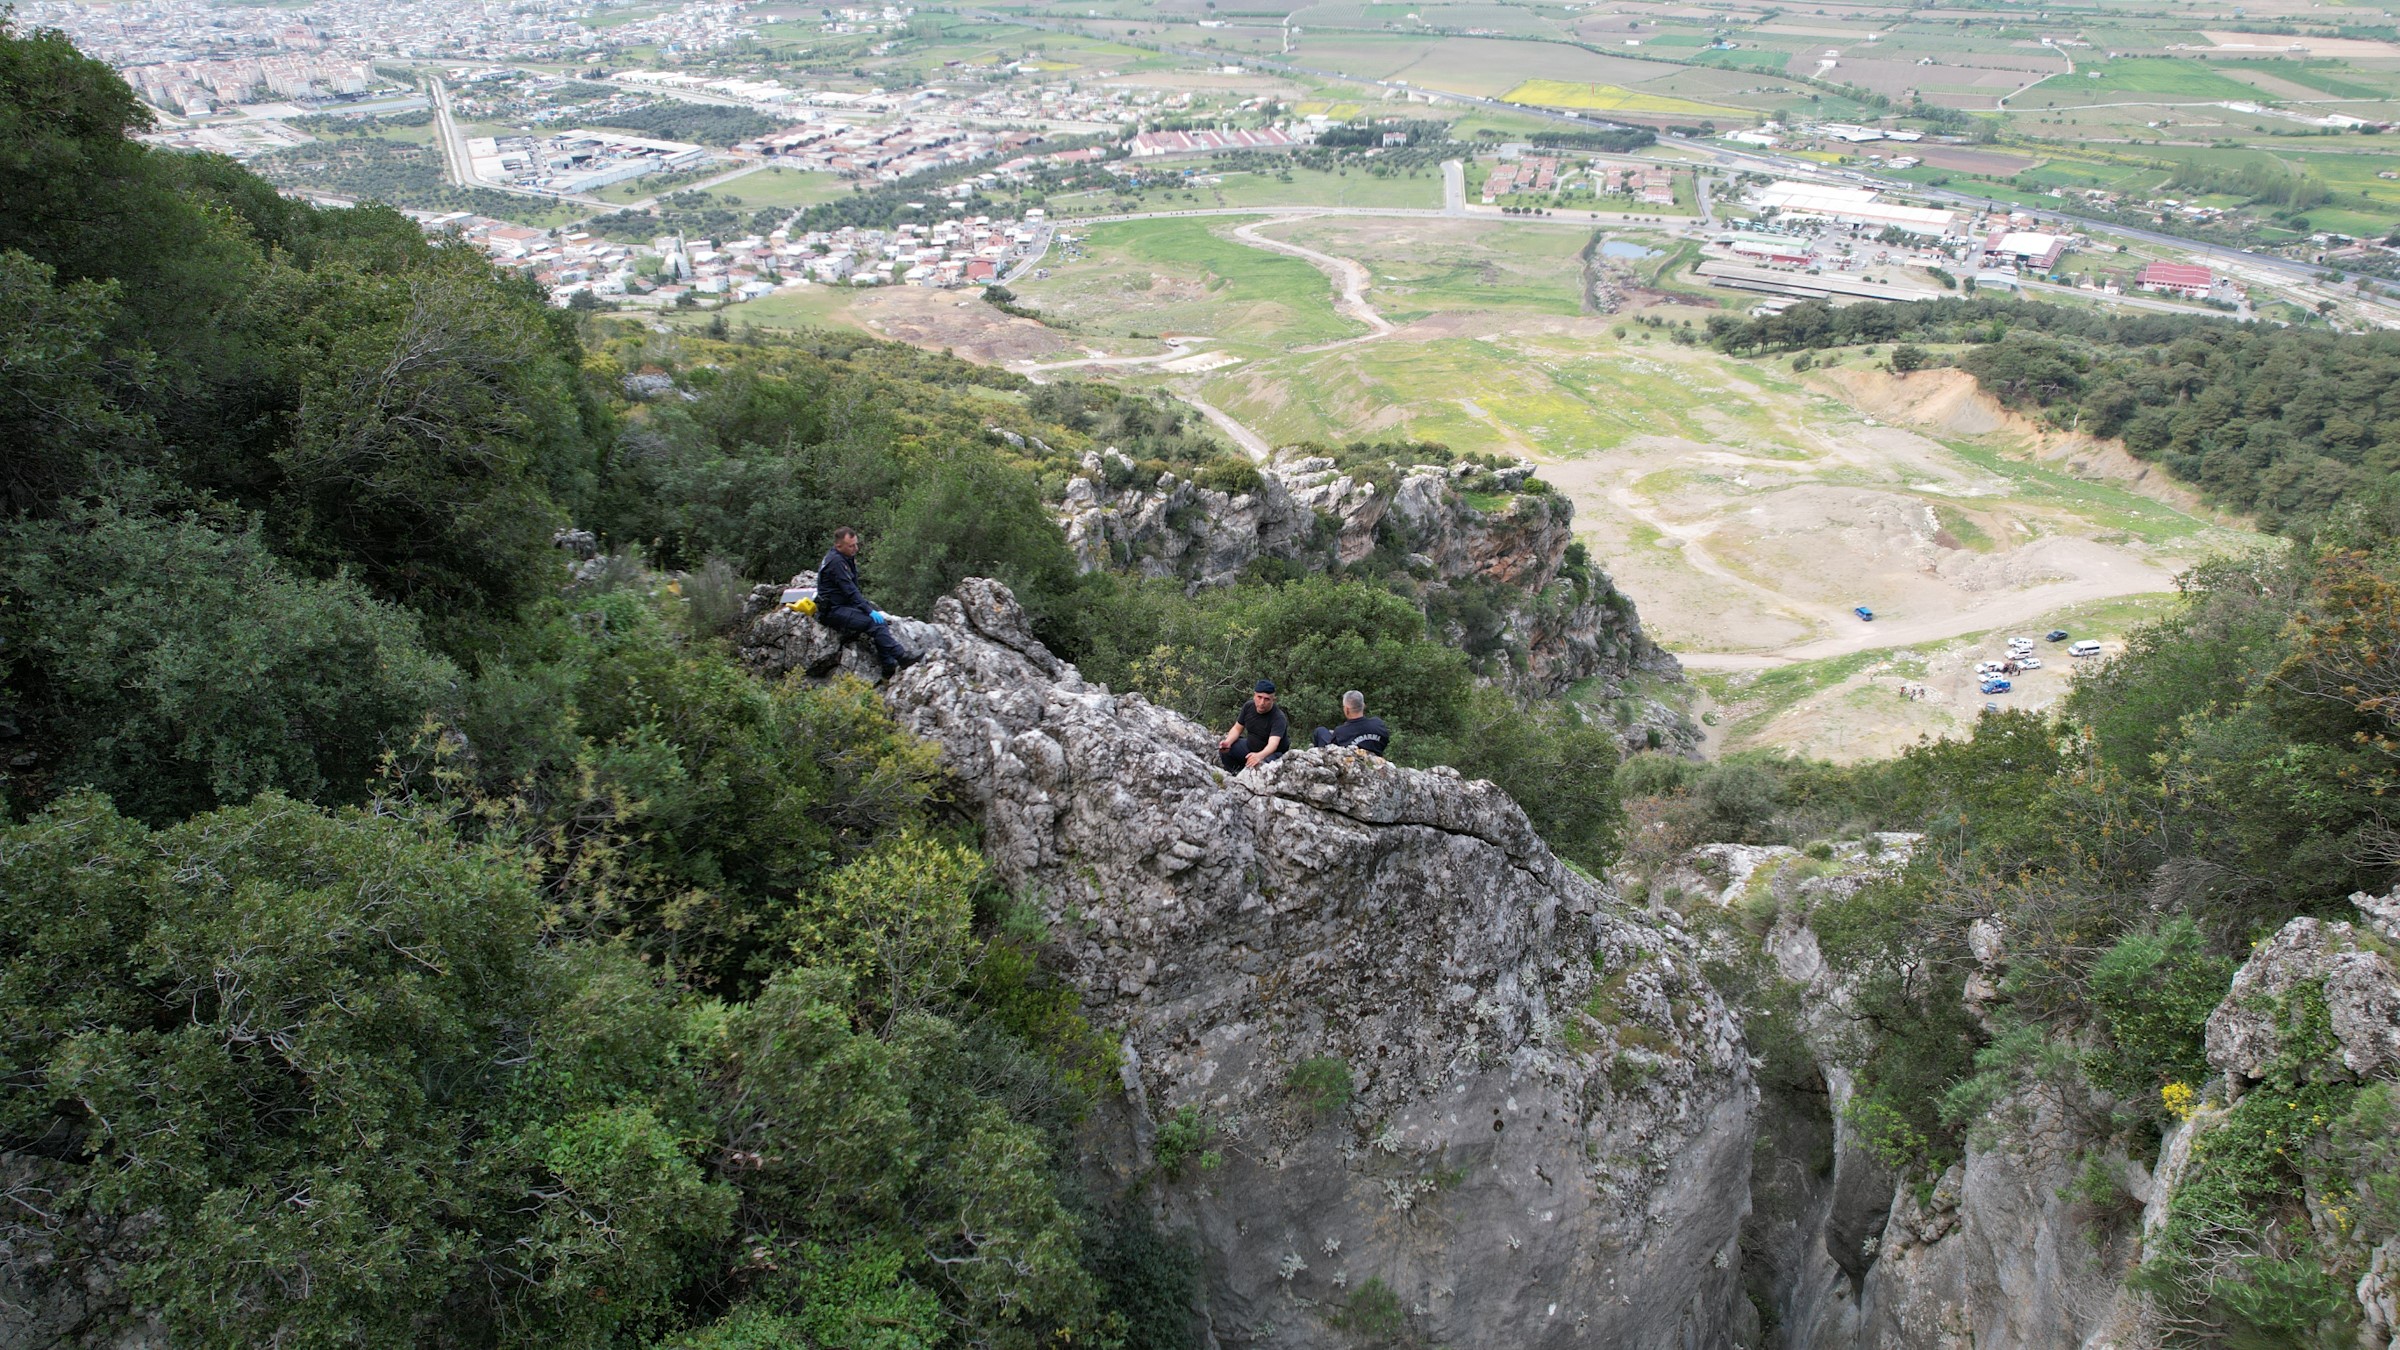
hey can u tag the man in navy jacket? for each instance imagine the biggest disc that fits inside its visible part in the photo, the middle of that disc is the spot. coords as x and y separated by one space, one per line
842 607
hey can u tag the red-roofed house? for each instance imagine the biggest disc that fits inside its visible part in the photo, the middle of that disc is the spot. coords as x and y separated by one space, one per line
2181 278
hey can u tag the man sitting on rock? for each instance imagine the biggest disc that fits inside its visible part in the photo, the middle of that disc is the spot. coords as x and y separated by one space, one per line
1357 730
842 607
1261 732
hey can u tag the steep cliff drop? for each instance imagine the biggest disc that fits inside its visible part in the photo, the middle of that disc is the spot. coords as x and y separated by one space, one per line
1454 1091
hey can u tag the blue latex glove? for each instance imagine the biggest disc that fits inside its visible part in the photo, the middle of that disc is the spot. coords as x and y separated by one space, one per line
880 617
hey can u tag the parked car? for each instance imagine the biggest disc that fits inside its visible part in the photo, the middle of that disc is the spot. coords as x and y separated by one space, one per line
2029 663
1863 612
2087 647
1995 686
1987 667
2055 635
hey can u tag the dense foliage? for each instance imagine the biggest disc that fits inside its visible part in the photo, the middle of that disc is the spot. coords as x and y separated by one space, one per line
701 123
411 935
2283 423
402 942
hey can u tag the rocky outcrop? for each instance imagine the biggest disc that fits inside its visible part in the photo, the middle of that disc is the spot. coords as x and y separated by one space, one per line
2247 1033
1562 622
2003 1248
1526 1118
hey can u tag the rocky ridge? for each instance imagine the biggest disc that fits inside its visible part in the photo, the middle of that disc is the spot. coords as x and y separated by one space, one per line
1566 624
1543 1123
1998 1250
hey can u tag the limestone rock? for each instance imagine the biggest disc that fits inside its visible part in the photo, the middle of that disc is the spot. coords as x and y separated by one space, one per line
2362 998
1548 1135
2380 913
1570 627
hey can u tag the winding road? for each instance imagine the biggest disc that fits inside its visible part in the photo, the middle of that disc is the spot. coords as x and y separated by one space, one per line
1350 279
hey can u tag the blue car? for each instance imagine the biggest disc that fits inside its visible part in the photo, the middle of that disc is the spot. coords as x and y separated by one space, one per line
1995 686
1865 613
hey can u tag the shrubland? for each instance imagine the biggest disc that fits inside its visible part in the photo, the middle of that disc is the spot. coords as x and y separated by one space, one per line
2284 424
2232 771
413 936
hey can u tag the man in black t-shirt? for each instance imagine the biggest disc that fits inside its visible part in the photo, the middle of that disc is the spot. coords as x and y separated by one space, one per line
1260 733
1357 730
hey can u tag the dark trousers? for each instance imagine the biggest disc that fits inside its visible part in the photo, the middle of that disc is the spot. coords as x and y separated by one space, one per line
1235 760
846 619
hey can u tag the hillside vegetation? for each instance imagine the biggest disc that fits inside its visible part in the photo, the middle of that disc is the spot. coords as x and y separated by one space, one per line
411 940
410 937
2282 423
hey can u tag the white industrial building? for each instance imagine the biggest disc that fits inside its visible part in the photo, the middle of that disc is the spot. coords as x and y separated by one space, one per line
1855 206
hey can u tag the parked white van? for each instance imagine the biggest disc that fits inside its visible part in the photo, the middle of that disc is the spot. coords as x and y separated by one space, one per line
2087 647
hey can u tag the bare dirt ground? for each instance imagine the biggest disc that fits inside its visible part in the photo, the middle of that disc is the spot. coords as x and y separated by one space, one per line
955 321
2344 49
1747 551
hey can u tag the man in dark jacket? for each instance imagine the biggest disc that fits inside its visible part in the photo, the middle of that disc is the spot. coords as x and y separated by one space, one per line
1357 729
841 606
1261 732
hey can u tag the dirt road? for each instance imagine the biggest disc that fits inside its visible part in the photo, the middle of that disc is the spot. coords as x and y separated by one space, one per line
1349 277
1251 442
2024 608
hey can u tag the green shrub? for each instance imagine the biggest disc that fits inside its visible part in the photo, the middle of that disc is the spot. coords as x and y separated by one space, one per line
178 667
1322 1083
1373 1312
1737 800
1655 775
2154 992
1183 1143
1228 475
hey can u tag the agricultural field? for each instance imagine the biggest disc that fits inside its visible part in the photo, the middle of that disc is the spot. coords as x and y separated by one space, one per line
1608 98
2120 80
1188 276
1294 186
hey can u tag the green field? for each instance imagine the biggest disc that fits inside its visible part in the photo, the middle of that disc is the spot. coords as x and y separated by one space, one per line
2137 75
1502 393
807 307
1187 276
778 187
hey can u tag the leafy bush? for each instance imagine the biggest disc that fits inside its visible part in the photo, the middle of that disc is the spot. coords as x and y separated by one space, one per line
177 667
1234 477
1373 1312
1183 1143
1322 1084
2154 992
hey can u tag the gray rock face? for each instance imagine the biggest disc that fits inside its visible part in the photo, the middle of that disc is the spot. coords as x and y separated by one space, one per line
1568 628
1547 1136
2362 998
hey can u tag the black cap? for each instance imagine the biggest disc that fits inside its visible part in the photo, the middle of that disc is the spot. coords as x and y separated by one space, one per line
1264 687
